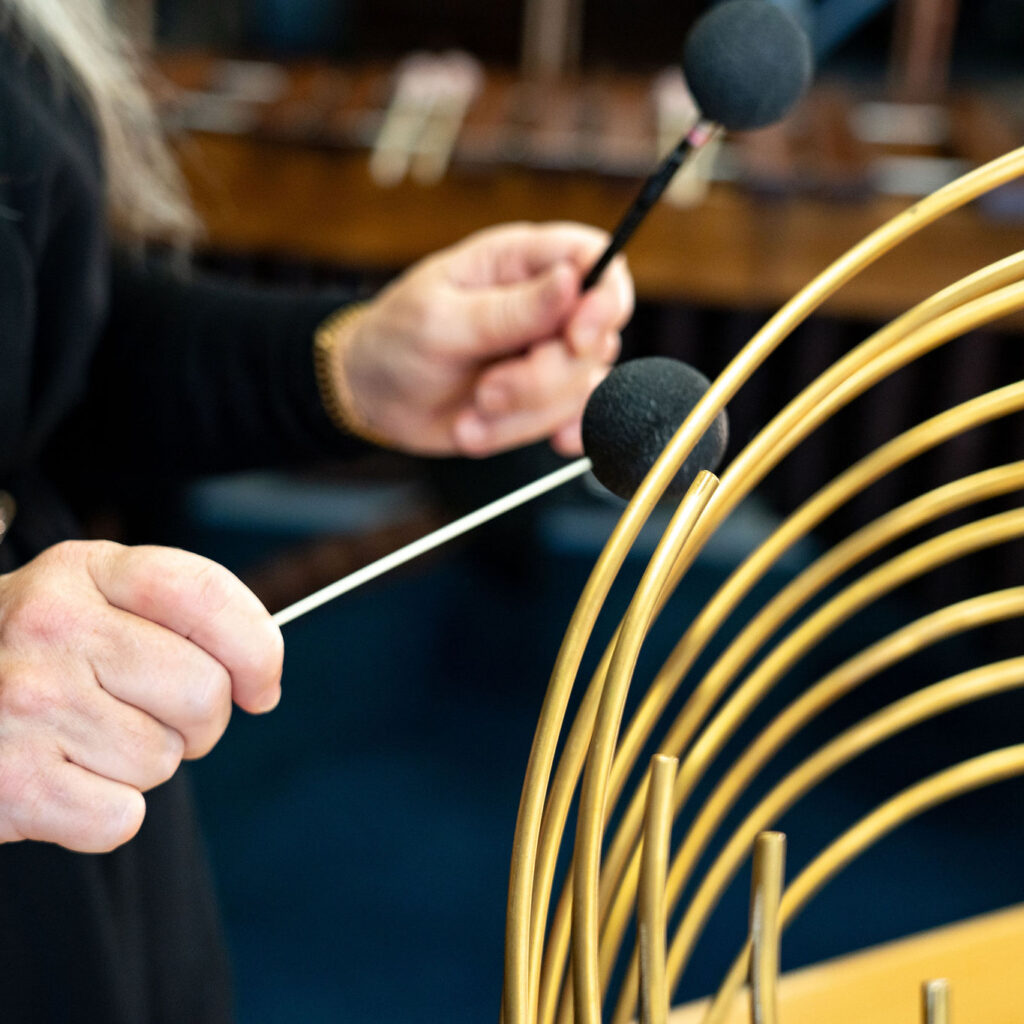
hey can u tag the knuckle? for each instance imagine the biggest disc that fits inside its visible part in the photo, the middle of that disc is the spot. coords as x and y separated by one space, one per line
39 803
258 667
433 323
66 552
37 615
207 697
200 740
154 750
157 579
213 588
27 694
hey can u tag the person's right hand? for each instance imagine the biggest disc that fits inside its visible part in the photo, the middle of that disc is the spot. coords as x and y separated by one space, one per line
115 663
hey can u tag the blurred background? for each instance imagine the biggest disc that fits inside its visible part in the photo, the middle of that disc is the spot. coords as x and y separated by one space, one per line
361 834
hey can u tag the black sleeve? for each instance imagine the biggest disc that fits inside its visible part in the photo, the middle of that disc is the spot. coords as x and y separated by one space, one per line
198 376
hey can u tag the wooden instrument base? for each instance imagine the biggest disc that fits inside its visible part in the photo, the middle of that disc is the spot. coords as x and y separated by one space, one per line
981 959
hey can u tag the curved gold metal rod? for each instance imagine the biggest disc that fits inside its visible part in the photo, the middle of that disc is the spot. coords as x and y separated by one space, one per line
516 1002
879 355
590 821
516 993
563 787
912 638
966 687
974 773
811 582
838 560
651 920
857 595
767 880
909 564
976 299
900 450
942 500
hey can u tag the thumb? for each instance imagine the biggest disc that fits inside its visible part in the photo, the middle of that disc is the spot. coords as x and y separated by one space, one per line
504 318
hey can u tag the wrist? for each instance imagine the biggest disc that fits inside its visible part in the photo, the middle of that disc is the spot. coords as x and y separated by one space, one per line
331 341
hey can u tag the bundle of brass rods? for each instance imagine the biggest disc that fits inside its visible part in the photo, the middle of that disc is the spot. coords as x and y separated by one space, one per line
928 702
739 477
519 1003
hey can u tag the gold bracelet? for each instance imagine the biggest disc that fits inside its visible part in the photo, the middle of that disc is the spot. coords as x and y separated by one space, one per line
337 399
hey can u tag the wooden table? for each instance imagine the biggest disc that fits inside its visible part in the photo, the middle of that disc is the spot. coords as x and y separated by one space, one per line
980 958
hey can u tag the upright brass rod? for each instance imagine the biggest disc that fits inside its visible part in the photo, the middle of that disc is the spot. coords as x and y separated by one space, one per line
651 919
935 1001
767 880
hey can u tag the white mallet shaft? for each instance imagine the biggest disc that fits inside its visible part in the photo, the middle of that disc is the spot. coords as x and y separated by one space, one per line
436 539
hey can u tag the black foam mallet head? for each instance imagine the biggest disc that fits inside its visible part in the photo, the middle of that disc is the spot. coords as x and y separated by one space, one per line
633 414
747 62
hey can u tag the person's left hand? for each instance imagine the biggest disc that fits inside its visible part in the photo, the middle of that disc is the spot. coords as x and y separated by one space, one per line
486 345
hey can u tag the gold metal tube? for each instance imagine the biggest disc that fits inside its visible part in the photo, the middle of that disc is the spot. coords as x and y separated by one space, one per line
935 1001
767 880
914 562
650 905
926 703
901 449
517 1005
817 402
590 823
517 987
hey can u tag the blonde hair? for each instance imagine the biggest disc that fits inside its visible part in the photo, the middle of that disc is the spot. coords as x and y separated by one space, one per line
78 38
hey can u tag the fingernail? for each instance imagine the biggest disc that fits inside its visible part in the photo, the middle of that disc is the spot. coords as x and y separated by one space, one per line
610 346
492 398
269 702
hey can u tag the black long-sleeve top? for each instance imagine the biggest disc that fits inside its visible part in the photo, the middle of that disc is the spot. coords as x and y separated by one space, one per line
114 368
